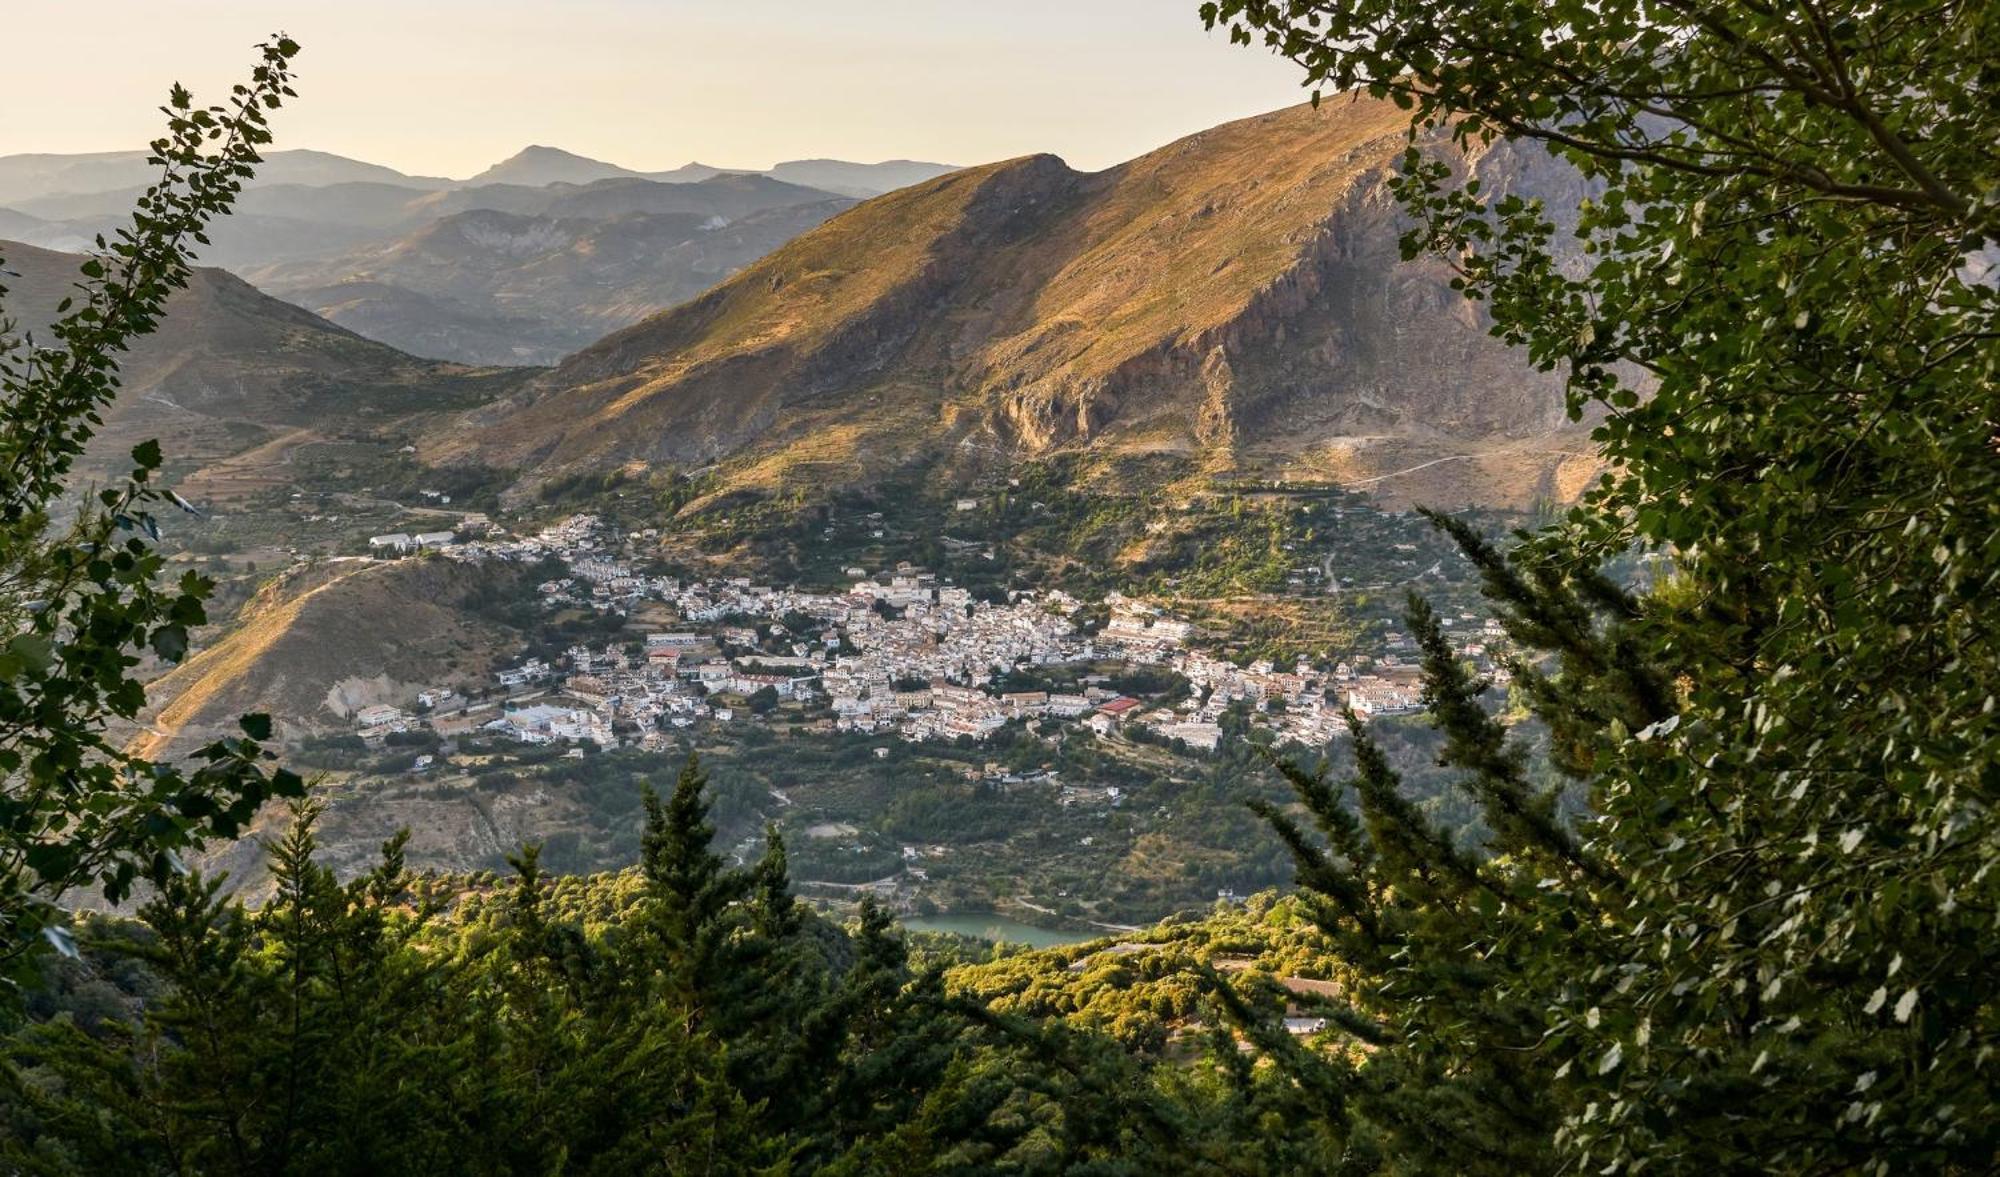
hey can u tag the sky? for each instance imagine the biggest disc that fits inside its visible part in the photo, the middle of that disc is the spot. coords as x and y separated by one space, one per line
446 87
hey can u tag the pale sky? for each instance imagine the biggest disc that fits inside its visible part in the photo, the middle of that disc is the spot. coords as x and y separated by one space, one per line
446 87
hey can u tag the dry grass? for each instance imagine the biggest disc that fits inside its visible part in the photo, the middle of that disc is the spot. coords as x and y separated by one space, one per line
390 627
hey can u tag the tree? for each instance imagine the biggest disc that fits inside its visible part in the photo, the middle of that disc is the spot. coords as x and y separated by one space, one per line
402 1022
82 602
347 1028
683 872
1766 949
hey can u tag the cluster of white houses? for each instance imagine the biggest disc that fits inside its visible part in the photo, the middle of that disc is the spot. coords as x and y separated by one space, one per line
398 543
900 654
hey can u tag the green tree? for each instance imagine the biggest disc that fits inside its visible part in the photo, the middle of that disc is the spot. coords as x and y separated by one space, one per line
81 602
345 1028
1768 947
404 1023
686 878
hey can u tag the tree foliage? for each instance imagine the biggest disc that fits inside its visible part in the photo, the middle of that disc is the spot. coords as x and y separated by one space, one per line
1766 944
1771 946
81 599
683 1017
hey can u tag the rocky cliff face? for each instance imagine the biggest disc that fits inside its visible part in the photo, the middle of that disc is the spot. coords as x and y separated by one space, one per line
1236 298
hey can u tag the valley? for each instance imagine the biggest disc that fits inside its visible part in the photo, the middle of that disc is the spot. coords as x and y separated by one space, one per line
962 739
1446 627
984 610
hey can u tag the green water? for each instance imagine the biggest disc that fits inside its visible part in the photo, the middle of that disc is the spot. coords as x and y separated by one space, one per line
997 927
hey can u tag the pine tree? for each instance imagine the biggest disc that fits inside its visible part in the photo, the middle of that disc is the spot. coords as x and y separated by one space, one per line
686 878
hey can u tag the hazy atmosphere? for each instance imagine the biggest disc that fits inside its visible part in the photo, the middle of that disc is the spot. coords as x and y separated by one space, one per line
446 87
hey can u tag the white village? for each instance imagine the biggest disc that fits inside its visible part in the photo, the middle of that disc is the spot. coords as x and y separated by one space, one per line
899 653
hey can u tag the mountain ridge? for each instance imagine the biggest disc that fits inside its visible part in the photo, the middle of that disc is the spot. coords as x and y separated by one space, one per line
513 288
31 174
231 368
58 185
1234 300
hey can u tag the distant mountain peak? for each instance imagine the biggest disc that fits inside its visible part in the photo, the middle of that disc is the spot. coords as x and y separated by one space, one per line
857 179
541 151
539 165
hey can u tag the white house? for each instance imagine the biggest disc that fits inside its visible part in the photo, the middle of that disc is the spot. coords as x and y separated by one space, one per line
533 670
379 717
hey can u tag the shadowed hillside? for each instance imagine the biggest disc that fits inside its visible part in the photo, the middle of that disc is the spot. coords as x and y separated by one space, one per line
513 288
231 368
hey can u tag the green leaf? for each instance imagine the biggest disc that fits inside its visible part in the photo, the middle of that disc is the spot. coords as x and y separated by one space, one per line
170 642
35 652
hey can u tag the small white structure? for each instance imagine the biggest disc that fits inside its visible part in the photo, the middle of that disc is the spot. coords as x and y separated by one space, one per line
533 670
377 718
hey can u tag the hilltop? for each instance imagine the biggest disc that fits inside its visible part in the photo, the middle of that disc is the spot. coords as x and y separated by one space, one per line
1234 302
232 369
537 166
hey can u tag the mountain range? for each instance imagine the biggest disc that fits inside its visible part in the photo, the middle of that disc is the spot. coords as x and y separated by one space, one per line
1234 303
556 269
86 179
43 177
540 166
1231 308
358 242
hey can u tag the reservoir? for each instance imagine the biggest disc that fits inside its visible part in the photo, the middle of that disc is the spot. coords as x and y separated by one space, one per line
988 926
